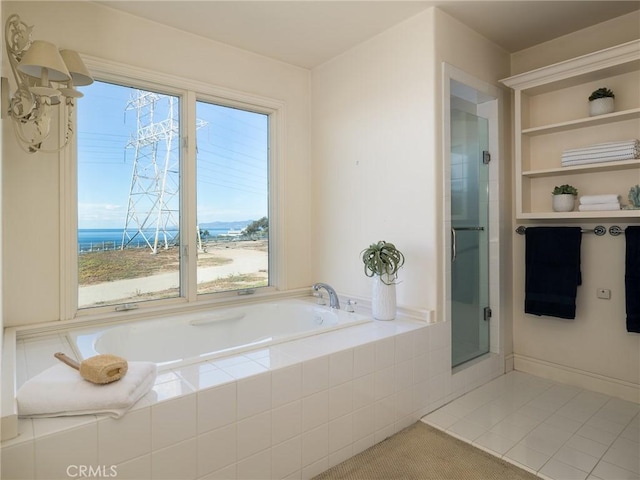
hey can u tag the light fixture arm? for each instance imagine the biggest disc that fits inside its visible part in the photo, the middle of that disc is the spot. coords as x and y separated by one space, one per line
36 65
18 40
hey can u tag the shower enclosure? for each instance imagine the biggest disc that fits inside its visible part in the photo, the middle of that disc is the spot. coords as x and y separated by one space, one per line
469 185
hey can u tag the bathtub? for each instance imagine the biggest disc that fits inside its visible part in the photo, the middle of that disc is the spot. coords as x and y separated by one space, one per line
195 337
321 394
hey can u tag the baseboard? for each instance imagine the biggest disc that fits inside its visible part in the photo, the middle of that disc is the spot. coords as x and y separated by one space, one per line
579 378
508 363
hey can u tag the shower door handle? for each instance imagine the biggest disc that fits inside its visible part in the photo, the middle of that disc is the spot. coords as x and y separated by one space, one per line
454 243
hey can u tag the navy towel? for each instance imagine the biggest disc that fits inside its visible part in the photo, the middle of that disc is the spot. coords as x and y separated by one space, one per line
632 278
552 262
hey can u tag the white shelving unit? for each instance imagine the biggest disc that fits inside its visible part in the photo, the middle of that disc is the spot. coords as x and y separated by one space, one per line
551 108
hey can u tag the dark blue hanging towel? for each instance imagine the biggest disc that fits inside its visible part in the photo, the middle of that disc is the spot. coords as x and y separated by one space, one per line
552 262
632 278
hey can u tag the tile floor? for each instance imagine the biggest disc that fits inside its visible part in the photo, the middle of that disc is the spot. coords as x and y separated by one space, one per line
556 431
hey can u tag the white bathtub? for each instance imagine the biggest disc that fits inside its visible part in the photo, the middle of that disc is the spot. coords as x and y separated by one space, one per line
194 337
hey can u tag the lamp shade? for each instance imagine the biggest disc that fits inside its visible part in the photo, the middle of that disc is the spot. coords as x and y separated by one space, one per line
79 73
44 56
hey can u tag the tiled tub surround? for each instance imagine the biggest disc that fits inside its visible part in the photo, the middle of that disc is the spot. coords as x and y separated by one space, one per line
291 410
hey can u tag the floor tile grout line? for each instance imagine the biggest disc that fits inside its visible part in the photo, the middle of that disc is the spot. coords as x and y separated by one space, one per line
506 390
609 447
575 433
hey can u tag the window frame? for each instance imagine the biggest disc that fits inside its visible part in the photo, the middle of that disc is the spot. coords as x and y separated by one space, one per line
189 92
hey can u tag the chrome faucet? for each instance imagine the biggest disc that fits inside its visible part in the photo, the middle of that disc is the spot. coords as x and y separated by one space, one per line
334 302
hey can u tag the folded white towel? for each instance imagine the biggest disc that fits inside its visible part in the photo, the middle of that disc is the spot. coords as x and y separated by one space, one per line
587 161
596 199
606 146
602 156
597 207
602 152
60 391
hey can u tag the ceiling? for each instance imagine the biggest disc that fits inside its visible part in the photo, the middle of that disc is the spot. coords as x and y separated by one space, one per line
307 33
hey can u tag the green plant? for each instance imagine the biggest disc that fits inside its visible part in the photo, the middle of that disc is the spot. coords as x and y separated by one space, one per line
601 93
565 190
381 258
634 196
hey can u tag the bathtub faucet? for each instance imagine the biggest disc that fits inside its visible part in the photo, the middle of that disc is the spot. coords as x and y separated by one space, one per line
334 302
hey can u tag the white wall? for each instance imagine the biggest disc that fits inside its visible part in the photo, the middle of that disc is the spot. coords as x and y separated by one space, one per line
594 350
374 167
377 143
603 35
31 189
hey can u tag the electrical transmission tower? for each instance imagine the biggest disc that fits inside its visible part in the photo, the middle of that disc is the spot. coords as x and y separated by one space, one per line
153 209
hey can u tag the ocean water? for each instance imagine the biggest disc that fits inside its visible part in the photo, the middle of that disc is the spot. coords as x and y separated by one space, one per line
111 238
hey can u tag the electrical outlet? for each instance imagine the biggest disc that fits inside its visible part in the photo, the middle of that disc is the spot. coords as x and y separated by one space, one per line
604 293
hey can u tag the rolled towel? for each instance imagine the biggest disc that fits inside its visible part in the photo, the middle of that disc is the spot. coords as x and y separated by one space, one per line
595 199
599 207
59 391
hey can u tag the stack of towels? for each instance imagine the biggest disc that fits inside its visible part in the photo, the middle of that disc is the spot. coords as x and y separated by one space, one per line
602 152
606 202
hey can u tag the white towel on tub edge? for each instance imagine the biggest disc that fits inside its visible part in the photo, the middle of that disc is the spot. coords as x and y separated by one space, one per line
60 391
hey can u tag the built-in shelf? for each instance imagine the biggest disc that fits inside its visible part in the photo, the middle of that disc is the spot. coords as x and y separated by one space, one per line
590 168
583 122
593 66
547 94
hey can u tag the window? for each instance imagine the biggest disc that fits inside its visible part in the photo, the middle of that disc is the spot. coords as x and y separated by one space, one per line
232 198
128 195
132 203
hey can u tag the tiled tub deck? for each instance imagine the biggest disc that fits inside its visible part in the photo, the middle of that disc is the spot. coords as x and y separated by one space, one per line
287 411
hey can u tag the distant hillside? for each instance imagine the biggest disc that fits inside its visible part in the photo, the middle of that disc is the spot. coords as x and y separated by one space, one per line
235 225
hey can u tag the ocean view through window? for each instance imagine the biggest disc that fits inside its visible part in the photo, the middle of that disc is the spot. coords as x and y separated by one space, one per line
232 182
128 196
132 207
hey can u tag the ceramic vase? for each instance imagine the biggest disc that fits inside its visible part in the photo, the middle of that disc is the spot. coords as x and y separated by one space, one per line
383 298
563 203
600 106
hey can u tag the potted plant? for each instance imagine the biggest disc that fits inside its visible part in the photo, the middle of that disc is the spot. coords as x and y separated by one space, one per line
382 260
634 197
601 102
564 198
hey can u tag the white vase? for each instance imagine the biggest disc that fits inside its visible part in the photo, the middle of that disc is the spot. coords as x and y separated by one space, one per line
383 298
563 203
600 106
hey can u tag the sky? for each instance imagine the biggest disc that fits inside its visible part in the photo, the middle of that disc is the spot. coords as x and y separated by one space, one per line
232 148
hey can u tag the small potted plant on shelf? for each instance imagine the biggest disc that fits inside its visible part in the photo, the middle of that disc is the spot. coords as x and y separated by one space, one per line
564 198
634 197
382 260
601 102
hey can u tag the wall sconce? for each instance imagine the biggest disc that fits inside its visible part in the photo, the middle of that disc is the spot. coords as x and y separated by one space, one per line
37 66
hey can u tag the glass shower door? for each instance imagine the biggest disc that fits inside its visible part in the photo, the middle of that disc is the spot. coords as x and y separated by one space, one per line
469 236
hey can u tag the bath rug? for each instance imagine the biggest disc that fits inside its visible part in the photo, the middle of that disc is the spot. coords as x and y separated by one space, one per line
421 452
